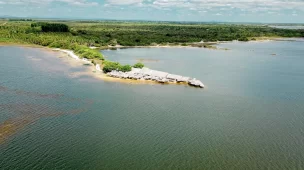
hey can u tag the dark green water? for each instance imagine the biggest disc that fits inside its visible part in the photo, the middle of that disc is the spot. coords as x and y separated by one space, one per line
250 116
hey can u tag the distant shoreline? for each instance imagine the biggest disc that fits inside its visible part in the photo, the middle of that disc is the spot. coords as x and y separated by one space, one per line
190 45
209 45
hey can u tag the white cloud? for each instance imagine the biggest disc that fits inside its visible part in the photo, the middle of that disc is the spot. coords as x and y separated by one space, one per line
44 2
213 6
199 5
123 2
245 5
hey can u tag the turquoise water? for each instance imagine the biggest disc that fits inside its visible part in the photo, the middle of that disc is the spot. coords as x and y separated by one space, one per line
250 115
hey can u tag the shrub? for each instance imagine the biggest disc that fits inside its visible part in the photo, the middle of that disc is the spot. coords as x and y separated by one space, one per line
125 68
184 44
46 42
60 44
38 24
84 51
243 39
110 66
55 44
139 65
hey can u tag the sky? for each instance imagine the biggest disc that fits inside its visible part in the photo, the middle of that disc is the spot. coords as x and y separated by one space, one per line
263 11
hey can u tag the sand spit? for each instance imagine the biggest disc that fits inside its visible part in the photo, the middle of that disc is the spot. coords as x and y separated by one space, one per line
142 74
154 75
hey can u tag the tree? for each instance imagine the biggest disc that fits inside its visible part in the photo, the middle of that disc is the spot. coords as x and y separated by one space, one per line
54 28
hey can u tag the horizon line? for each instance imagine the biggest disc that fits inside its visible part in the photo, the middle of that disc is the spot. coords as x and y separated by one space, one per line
134 20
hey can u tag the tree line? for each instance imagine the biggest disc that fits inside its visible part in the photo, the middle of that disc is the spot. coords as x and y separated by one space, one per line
138 34
51 27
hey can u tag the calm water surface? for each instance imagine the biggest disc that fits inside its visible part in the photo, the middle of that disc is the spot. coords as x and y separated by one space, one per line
292 27
250 116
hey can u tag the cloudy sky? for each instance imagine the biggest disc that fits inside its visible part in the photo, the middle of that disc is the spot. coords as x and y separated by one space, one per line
288 11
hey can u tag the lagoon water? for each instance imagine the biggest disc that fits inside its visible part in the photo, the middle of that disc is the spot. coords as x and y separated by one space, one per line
250 115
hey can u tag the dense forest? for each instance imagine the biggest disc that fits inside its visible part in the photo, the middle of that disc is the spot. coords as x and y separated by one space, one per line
54 28
133 33
51 27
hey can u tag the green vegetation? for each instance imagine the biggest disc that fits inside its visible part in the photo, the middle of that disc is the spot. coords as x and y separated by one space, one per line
51 27
86 52
79 36
20 19
243 39
138 65
126 68
54 28
102 34
38 24
80 50
109 66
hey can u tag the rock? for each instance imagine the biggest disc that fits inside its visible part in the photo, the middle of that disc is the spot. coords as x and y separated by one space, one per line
98 67
183 79
173 78
147 77
196 83
125 76
159 76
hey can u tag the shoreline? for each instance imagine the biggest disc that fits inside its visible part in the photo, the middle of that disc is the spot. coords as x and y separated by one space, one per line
164 79
210 45
93 71
21 45
258 39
